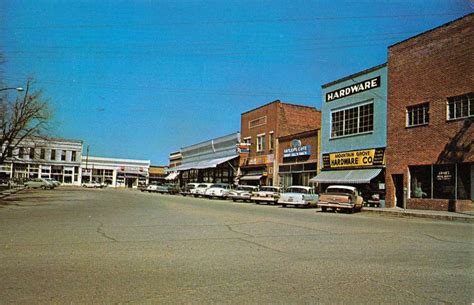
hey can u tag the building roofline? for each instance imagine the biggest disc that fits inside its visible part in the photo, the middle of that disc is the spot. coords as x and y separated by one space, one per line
299 134
279 102
92 158
354 75
431 30
209 140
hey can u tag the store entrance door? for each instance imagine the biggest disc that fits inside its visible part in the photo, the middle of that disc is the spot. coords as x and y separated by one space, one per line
296 179
129 182
398 183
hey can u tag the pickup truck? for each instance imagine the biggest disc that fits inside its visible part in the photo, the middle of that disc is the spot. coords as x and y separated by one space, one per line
341 197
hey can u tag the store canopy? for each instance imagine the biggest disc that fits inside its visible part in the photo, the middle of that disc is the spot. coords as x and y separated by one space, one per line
172 176
250 177
353 176
211 163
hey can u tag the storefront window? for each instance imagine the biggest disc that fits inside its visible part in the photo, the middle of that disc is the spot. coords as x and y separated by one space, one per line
464 181
444 181
420 184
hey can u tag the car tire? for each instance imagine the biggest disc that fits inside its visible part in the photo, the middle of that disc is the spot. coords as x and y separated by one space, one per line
324 209
283 205
234 200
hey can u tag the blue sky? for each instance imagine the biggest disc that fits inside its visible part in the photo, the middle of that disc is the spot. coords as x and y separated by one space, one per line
140 79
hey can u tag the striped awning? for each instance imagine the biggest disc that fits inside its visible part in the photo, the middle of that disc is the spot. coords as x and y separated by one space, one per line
352 176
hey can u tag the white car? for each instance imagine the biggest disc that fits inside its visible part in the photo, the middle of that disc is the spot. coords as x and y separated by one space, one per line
242 192
53 181
200 189
39 183
267 194
188 188
298 196
151 188
93 184
219 190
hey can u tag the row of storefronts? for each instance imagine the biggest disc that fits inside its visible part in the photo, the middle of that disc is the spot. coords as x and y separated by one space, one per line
63 160
396 131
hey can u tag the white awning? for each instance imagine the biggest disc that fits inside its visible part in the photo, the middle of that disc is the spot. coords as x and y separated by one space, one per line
211 163
250 177
172 176
352 176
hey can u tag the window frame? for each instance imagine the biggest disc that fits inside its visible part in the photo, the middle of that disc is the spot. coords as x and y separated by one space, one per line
469 98
410 110
342 123
260 142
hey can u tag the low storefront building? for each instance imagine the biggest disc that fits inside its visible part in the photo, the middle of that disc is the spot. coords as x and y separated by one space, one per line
59 159
430 154
210 161
157 174
353 132
299 155
126 173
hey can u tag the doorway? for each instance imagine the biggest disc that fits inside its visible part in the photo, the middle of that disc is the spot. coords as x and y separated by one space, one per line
398 183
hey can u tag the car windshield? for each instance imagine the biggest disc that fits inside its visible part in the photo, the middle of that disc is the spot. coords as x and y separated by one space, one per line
202 185
268 189
297 190
245 188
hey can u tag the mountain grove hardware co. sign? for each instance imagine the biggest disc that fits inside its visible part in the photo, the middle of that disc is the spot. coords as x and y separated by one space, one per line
355 158
353 89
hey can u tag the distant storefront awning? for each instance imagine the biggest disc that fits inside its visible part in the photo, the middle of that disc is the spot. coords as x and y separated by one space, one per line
353 176
250 177
211 163
172 176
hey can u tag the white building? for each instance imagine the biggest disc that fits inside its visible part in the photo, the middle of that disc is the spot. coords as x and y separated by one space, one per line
59 159
115 172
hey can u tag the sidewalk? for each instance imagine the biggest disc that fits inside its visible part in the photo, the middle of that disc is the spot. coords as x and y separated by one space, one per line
8 191
467 217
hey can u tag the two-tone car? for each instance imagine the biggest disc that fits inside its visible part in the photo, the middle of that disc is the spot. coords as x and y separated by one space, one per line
218 190
341 197
200 189
242 192
188 187
303 196
39 183
266 194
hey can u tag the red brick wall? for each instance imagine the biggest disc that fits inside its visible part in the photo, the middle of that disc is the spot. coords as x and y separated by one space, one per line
282 119
429 68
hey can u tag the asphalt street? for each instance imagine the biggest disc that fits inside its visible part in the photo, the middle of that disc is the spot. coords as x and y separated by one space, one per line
73 245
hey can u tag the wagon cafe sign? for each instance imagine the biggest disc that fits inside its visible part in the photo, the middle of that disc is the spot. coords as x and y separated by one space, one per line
353 89
297 150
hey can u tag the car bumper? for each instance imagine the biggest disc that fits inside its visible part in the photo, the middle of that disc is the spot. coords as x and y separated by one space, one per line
336 205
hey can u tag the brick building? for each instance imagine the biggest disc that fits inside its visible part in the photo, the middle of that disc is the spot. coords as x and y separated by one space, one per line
430 112
298 156
260 130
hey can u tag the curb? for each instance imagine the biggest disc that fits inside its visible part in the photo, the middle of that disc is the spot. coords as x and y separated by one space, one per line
9 192
465 219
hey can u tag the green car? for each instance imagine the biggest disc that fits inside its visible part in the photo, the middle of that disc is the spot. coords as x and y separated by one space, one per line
39 183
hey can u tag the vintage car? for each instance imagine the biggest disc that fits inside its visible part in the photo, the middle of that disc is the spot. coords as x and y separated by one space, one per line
242 192
266 194
219 190
92 184
187 189
39 183
200 189
53 181
150 188
341 197
296 195
167 188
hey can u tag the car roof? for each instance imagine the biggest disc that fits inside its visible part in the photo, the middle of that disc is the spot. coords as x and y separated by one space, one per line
300 187
347 187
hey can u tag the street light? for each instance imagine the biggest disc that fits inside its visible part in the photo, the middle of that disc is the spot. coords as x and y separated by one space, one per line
19 89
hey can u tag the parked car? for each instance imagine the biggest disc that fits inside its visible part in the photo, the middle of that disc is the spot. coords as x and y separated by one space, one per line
219 190
53 181
92 184
167 189
298 196
150 188
188 188
200 189
267 194
39 183
242 192
341 197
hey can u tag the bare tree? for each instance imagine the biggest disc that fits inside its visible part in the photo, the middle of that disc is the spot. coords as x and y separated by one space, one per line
25 118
